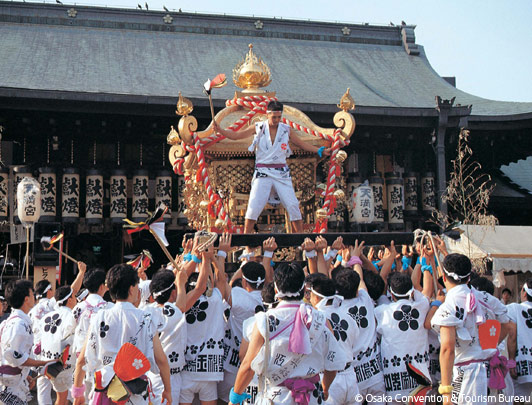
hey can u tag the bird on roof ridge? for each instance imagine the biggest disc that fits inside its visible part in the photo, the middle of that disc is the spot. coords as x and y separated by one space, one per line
165 9
146 4
58 1
139 6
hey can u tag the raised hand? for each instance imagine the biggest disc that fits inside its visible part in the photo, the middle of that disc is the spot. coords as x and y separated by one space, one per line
269 245
308 245
225 242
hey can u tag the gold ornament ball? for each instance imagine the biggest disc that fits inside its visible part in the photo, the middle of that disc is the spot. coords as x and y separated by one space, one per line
341 156
220 223
204 204
339 194
186 212
321 213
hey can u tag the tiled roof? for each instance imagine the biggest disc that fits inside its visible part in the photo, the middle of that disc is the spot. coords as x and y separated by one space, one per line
520 173
132 52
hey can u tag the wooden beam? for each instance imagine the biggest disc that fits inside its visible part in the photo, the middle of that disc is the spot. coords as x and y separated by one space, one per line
296 239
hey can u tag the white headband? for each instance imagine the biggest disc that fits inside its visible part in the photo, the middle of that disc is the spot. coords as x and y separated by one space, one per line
527 289
288 294
455 276
258 281
83 294
407 294
45 291
337 300
159 293
66 298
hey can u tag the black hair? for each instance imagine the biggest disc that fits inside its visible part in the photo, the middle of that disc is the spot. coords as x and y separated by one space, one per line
191 282
326 287
483 284
40 287
506 290
336 270
313 277
119 279
529 285
275 106
253 271
374 284
161 281
93 279
400 283
268 294
17 291
289 278
458 264
237 282
61 293
347 282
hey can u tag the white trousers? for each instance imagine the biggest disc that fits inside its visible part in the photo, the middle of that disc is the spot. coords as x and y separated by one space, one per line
261 188
470 384
344 389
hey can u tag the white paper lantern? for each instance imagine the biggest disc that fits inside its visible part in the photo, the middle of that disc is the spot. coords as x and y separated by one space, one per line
362 200
140 197
377 185
163 192
353 181
94 197
118 188
395 194
70 195
411 196
48 182
19 172
28 201
428 193
4 199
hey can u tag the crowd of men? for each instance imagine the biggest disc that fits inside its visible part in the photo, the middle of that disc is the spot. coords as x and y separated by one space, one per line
347 325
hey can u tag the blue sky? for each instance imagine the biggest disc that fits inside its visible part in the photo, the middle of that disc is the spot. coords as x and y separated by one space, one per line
486 44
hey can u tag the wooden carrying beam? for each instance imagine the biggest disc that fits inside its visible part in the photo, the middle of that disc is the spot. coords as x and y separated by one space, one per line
296 239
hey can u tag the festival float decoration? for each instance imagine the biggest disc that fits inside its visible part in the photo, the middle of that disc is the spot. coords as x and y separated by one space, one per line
216 188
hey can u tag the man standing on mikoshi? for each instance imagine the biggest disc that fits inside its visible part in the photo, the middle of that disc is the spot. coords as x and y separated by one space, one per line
271 180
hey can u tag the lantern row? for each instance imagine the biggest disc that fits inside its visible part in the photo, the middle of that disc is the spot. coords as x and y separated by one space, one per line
400 194
94 194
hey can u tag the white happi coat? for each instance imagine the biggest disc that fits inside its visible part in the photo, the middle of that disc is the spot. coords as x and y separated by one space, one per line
521 314
172 328
110 329
326 352
268 153
57 331
205 339
40 309
469 380
404 340
82 314
366 352
344 388
16 341
253 387
243 305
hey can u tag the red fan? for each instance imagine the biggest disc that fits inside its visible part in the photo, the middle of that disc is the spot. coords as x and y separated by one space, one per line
130 363
488 334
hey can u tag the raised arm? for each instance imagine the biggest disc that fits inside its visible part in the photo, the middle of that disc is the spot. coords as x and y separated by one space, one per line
234 135
269 245
78 281
297 141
